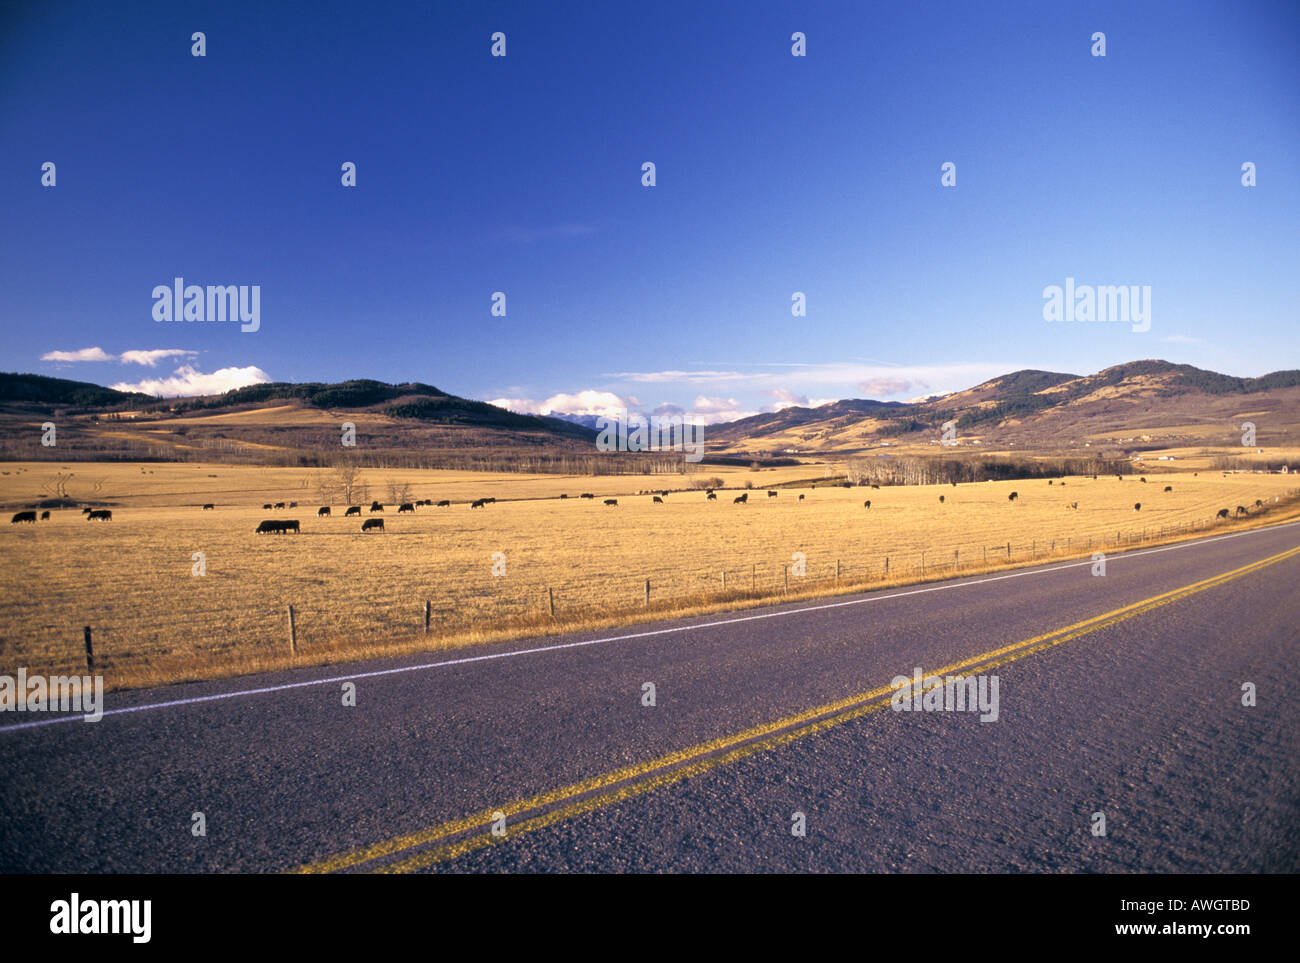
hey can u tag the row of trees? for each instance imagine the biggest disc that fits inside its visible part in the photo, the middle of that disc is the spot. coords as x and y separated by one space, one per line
921 470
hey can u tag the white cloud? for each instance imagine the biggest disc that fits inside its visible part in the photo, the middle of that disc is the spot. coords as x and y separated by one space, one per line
587 402
85 354
147 356
187 382
828 377
876 387
152 356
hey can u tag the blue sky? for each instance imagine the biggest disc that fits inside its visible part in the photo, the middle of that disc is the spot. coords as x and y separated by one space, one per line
522 174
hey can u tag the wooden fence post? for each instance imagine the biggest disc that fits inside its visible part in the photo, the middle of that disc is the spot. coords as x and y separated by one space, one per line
428 607
550 598
90 653
886 566
647 593
293 634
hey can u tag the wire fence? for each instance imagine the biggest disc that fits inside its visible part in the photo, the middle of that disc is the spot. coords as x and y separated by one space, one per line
204 640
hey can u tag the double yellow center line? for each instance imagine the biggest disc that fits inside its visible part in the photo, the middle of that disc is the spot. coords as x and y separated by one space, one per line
457 837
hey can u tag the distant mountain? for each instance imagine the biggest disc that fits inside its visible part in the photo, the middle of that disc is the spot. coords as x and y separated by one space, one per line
1034 408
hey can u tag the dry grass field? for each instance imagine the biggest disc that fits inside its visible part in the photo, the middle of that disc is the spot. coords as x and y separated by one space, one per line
358 594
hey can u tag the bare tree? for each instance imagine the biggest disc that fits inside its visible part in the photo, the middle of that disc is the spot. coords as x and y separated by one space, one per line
398 492
346 481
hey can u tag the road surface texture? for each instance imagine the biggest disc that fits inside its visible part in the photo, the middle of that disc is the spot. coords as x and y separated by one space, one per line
1118 694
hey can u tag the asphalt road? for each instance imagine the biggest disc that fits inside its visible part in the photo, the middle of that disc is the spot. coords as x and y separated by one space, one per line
1119 694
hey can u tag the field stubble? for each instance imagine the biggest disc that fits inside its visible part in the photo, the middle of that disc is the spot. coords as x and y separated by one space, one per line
359 595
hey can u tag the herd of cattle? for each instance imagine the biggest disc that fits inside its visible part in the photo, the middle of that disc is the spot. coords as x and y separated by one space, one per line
280 527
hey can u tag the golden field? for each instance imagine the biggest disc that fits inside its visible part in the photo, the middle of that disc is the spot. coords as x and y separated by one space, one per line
358 594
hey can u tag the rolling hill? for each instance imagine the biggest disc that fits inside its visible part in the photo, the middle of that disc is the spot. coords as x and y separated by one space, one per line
1142 403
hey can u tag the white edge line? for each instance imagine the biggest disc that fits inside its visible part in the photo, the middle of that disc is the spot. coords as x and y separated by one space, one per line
215 697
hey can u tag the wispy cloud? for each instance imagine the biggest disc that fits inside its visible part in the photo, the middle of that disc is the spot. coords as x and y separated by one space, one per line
875 387
187 382
144 356
869 378
83 354
517 234
151 357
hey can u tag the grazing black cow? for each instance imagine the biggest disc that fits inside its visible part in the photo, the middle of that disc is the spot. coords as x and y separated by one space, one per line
1223 513
611 502
209 507
1137 506
875 486
352 510
1169 488
445 503
45 516
104 515
266 507
277 527
867 503
24 517
586 495
940 499
658 500
1259 503
954 484
800 498
477 503
771 494
564 496
372 523
1143 479
376 508
279 504
322 511
1049 481
1013 496
711 497
741 499
1241 510
406 507
293 504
